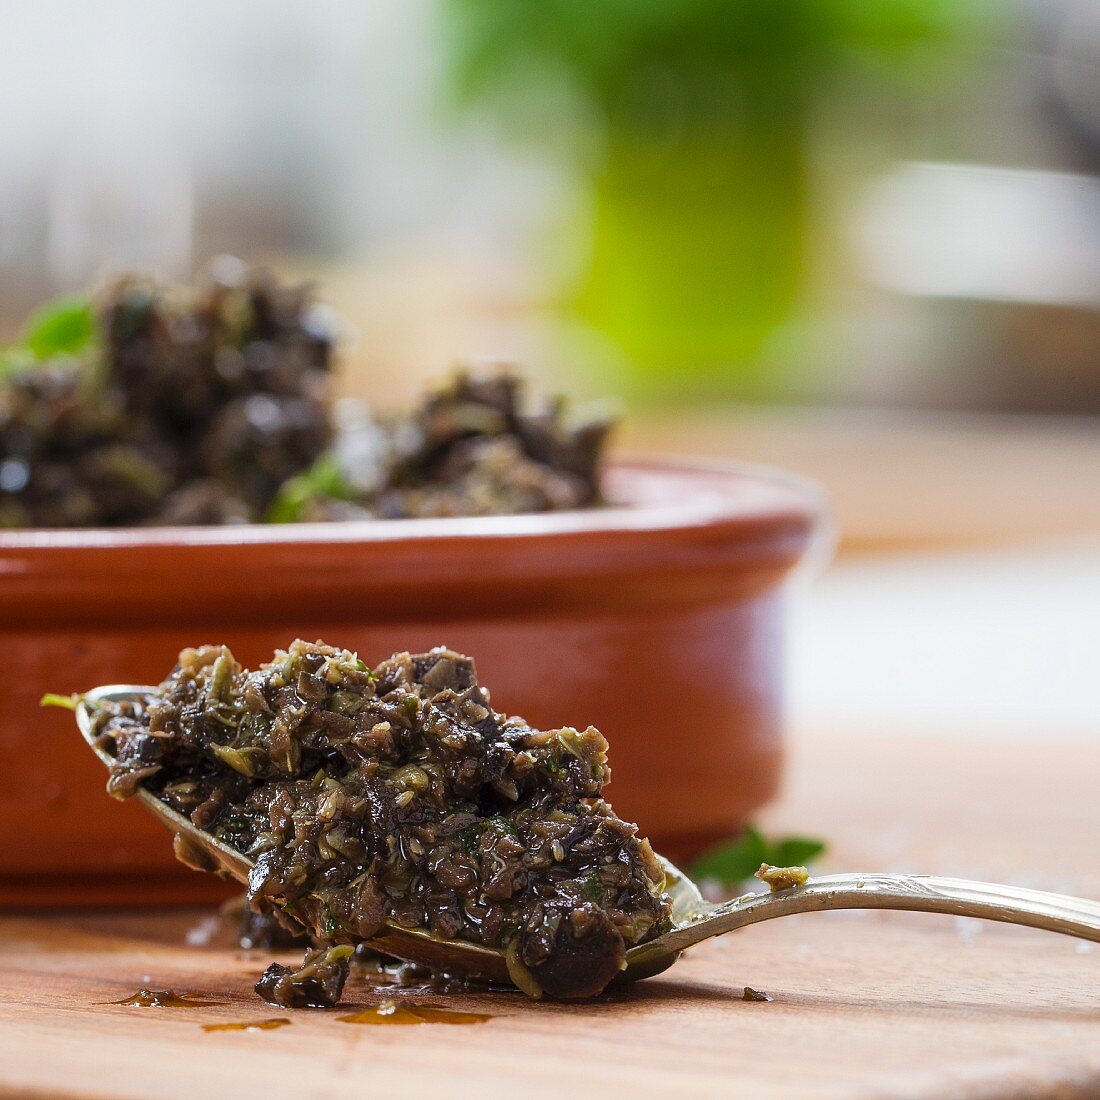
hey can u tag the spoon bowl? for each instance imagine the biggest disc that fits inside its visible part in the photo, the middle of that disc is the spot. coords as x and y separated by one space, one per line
693 918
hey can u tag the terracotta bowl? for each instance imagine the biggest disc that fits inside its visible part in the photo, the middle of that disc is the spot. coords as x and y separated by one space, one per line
657 619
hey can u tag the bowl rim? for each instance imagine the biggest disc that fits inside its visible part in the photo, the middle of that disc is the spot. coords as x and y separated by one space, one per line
726 494
702 533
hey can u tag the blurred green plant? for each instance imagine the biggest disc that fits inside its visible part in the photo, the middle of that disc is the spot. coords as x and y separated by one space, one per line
690 121
65 327
324 480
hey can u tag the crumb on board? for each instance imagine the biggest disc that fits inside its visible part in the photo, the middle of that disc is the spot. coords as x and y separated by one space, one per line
751 994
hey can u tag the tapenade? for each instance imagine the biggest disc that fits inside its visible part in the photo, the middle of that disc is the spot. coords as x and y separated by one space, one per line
192 406
470 448
396 795
211 405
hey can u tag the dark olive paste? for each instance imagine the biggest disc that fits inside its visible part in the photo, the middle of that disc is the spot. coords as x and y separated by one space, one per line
211 405
193 406
396 795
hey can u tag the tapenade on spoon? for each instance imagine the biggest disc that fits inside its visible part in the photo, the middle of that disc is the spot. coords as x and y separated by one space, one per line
394 805
375 804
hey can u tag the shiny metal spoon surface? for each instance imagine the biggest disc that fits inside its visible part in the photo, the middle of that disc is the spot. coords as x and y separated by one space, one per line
694 919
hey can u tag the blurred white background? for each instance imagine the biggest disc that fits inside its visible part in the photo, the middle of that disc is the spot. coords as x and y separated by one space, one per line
972 643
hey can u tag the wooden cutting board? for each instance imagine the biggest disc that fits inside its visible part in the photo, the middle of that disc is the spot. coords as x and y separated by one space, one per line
864 1005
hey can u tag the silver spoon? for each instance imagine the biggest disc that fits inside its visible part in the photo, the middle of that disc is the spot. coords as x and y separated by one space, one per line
694 919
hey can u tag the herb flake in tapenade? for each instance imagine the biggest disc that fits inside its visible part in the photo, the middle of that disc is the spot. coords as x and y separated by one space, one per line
397 795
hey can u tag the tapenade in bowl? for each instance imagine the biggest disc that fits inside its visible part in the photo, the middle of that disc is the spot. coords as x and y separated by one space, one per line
645 595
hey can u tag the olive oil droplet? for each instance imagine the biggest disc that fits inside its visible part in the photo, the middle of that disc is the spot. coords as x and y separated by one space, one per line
250 1025
390 1014
162 998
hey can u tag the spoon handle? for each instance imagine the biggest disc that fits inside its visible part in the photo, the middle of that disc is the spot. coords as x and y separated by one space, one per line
916 893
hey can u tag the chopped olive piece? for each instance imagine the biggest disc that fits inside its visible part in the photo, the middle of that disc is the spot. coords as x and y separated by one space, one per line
264 931
397 795
317 983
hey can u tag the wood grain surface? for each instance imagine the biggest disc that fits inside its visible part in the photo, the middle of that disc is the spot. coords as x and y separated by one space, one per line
864 1005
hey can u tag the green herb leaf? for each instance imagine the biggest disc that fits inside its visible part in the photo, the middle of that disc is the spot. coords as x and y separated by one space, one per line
69 702
591 889
64 327
734 862
323 480
796 851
